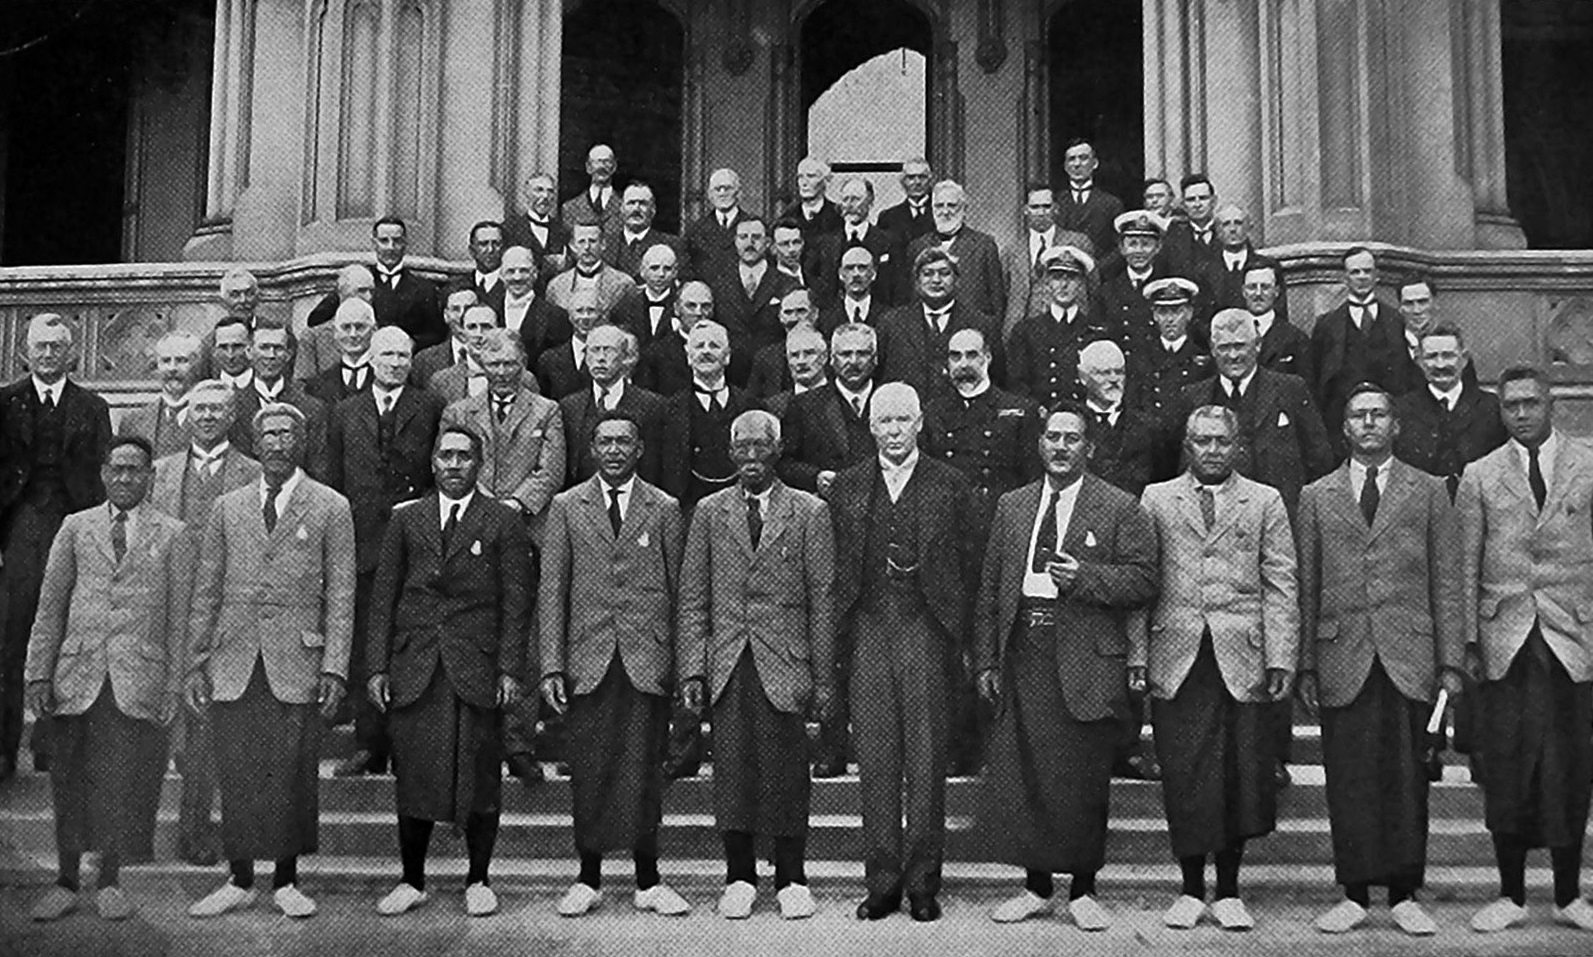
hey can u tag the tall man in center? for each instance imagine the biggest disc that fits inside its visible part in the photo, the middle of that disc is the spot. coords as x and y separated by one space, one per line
907 564
1069 558
756 644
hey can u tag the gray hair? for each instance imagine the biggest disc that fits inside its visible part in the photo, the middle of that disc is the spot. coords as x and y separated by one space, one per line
272 410
1235 321
238 277
500 338
856 329
49 320
1221 412
756 421
893 394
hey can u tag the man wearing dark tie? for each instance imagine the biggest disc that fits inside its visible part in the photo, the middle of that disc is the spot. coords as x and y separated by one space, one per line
1043 352
662 365
53 436
1191 244
1082 205
449 632
1360 341
826 430
807 356
402 298
711 239
1448 423
747 297
624 249
1139 238
610 357
352 328
379 454
912 338
887 250
1284 348
163 422
813 212
433 359
770 376
1029 290
911 218
561 369
317 350
538 227
857 302
1236 256
1173 362
270 351
600 201
983 283
486 252
647 315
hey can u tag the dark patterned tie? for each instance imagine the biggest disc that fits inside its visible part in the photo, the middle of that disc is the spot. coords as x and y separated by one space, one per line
754 520
1540 490
1045 542
119 535
1370 496
450 526
270 511
614 518
1208 506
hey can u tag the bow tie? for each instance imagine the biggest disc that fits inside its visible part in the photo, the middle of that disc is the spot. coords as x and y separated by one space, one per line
947 237
538 222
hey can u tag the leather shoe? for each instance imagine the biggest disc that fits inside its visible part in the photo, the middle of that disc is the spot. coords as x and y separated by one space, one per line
829 766
1281 776
524 767
676 769
924 909
1139 767
879 906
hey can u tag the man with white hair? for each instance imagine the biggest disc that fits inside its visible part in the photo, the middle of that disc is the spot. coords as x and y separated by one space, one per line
982 281
53 438
711 239
379 445
755 646
769 372
350 332
911 217
163 421
610 357
906 576
239 297
813 211
318 347
648 314
1122 437
662 367
561 368
600 201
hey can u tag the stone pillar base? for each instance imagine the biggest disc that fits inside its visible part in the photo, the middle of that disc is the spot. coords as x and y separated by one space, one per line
211 242
1499 231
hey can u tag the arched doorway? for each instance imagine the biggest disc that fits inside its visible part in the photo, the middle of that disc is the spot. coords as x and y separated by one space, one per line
1548 96
623 76
864 90
1095 52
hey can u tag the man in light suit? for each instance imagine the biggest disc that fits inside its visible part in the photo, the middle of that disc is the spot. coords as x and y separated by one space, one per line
756 647
600 202
186 485
271 627
984 285
1526 544
1221 645
521 465
1380 607
589 272
104 665
1069 558
610 575
163 421
379 454
468 377
1030 291
448 644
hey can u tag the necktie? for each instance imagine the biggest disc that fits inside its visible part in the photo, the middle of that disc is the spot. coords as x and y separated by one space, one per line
270 511
857 314
724 220
1358 314
712 396
49 400
1540 491
1080 195
1370 495
1039 255
501 406
1103 421
354 377
387 405
602 399
450 525
854 237
614 517
1045 542
937 320
857 406
1232 396
749 282
119 535
1208 506
754 520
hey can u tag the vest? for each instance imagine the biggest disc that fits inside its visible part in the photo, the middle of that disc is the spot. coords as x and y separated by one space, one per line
890 553
199 492
46 488
711 468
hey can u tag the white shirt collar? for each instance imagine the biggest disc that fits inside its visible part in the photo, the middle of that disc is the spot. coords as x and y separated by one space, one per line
624 489
811 207
509 300
380 393
763 497
978 391
1358 474
363 362
798 388
631 236
1546 456
487 280
445 504
240 381
850 396
214 455
616 392
1173 345
1243 384
1264 321
1064 314
283 495
53 390
1450 397
901 472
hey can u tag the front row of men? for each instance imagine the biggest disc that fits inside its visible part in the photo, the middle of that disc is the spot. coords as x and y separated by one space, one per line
1192 594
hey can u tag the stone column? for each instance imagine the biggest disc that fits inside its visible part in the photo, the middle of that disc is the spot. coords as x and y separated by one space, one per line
1479 120
538 75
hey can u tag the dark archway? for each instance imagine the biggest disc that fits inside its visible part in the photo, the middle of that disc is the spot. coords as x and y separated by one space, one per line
1548 97
1095 51
838 36
623 77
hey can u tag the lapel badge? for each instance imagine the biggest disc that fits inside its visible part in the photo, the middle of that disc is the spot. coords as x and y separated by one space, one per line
1089 539
475 547
643 540
301 534
1283 420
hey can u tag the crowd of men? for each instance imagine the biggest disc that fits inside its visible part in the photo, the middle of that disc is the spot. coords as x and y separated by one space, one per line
974 511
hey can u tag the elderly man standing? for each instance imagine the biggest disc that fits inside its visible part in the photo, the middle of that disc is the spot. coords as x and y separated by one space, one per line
537 226
350 374
271 627
319 349
1069 558
104 666
185 487
449 622
1380 606
906 567
561 369
623 248
756 647
1220 647
53 438
711 239
600 203
813 210
1526 544
983 283
606 617
270 351
163 421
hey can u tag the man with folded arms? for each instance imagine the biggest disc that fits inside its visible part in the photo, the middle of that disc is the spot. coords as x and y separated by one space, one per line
271 627
1221 646
449 616
756 645
1380 607
606 613
1069 558
103 666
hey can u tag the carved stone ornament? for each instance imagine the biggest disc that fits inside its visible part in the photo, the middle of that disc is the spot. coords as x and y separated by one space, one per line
1570 331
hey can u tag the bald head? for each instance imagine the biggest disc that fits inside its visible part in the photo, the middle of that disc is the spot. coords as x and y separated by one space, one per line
519 271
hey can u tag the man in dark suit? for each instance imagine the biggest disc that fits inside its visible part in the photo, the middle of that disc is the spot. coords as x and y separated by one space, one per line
606 628
486 251
756 646
857 301
813 212
53 438
1191 244
1069 558
1417 317
379 446
317 350
770 375
449 628
1526 544
1029 290
1284 348
402 298
911 218
983 284
1380 608
433 359
163 421
747 297
269 351
662 365
906 566
1233 259
561 369
711 239
648 315
807 356
538 227
1043 351
352 328
1122 436
539 320
610 357
826 430
1083 206
1448 423
886 248
224 354
600 201
912 338
1360 341
798 259
1122 293
1174 361
623 249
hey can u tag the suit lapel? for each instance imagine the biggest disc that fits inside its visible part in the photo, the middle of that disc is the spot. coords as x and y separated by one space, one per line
298 504
102 534
638 513
782 507
595 508
1189 505
1239 502
1018 545
1398 490
465 531
732 510
1567 464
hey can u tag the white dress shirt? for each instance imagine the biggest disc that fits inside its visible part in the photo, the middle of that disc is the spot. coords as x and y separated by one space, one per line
1358 477
616 392
131 525
856 307
208 461
1232 259
1448 398
1040 242
283 495
514 310
707 393
385 398
1264 322
237 382
752 275
578 351
1064 315
1546 454
897 476
446 504
49 393
487 280
857 400
1039 584
1173 345
1243 386
625 489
